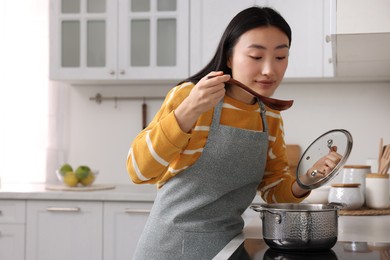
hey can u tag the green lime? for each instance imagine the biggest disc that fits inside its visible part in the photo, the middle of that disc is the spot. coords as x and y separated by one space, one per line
82 172
65 168
88 180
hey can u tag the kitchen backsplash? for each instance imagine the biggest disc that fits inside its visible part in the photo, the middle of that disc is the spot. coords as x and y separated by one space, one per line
101 134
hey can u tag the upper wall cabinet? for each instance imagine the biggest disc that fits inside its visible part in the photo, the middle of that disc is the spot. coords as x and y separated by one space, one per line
361 42
310 21
208 22
118 39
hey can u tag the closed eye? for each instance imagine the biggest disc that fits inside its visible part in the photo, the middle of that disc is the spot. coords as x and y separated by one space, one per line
281 58
256 57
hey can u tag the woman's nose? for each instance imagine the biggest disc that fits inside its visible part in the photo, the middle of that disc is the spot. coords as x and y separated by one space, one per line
268 68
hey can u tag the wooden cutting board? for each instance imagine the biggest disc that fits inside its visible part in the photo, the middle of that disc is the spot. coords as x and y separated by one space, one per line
293 156
62 187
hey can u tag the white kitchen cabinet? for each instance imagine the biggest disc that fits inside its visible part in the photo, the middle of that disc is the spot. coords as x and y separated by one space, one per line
360 46
118 39
350 14
12 229
209 19
311 21
123 225
64 230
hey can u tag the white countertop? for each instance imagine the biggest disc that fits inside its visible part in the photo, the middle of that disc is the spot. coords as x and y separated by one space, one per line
374 229
371 229
142 193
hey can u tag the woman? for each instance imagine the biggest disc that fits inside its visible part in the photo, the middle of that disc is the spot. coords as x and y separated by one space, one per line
212 145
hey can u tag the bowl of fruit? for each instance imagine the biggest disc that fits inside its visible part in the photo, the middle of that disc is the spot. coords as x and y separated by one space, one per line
73 177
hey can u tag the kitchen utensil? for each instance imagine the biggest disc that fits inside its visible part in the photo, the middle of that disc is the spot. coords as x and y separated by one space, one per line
144 114
384 161
377 191
340 138
293 226
380 153
273 103
347 193
299 227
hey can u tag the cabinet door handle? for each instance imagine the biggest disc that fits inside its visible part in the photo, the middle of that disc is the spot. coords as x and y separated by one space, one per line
61 209
137 210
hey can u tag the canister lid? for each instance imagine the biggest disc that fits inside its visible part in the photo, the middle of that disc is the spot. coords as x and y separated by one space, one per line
345 185
340 138
357 166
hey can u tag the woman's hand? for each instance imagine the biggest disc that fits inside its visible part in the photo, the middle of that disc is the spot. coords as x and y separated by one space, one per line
324 165
204 96
319 170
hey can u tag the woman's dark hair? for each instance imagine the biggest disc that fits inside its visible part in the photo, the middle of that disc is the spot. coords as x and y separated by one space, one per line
244 21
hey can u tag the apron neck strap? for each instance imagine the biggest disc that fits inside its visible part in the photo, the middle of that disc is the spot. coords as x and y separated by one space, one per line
218 110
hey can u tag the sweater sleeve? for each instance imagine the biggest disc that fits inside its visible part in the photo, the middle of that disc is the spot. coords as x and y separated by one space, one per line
276 186
161 142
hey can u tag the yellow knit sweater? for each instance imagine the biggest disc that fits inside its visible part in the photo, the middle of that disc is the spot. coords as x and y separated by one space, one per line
163 150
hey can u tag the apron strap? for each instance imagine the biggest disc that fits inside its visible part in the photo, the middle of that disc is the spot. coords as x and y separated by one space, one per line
216 116
263 117
218 111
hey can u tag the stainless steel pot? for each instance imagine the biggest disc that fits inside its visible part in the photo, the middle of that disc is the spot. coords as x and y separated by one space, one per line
292 226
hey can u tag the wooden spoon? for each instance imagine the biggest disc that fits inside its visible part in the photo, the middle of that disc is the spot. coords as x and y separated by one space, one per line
273 103
380 154
144 114
385 160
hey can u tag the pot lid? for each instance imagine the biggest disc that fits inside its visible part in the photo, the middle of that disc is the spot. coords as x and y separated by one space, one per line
340 138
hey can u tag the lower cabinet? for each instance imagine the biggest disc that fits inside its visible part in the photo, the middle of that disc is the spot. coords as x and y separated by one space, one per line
123 225
76 229
12 229
64 230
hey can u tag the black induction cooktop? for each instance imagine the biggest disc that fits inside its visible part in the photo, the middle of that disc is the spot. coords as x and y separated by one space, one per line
259 250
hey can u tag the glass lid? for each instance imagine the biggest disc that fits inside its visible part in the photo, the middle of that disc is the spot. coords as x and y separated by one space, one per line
307 174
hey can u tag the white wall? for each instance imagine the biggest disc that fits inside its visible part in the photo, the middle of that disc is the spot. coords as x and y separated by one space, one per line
101 134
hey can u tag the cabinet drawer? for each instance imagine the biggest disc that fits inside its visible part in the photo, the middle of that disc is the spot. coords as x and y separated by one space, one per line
12 241
12 211
64 230
123 221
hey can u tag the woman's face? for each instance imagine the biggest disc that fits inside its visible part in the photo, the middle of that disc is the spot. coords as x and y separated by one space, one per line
259 60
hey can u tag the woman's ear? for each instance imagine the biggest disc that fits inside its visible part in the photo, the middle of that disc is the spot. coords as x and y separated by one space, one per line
229 63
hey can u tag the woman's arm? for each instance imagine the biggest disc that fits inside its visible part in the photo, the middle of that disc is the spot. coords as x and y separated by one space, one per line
203 97
168 134
160 142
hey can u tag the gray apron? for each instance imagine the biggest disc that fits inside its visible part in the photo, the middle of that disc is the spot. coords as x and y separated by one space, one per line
197 212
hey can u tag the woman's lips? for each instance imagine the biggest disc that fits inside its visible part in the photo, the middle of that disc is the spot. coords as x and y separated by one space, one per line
265 83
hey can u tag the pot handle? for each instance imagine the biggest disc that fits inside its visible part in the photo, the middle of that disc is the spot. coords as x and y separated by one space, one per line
337 205
257 207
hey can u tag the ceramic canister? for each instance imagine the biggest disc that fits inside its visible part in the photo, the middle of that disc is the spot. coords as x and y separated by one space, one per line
377 191
356 174
348 194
